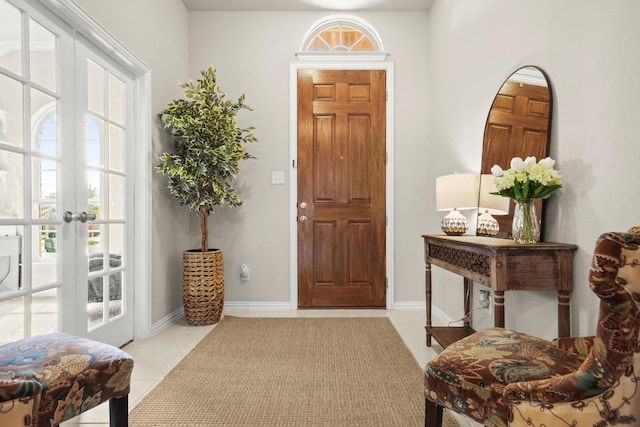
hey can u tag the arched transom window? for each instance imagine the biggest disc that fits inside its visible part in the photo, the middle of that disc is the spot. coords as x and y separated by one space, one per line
342 34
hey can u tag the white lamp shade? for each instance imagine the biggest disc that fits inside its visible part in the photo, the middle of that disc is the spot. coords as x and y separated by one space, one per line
457 191
491 203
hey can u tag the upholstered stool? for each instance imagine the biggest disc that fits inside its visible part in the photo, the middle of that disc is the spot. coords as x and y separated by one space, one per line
58 376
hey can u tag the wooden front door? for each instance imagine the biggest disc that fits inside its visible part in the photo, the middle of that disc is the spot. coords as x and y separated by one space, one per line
341 188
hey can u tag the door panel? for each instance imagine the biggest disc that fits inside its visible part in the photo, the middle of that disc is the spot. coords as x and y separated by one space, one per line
341 188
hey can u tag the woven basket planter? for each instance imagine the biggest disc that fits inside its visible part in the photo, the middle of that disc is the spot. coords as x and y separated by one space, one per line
203 286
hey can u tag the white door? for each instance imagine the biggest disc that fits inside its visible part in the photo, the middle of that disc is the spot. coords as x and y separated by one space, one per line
64 114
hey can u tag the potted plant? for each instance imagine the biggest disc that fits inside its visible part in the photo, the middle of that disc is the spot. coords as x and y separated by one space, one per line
209 146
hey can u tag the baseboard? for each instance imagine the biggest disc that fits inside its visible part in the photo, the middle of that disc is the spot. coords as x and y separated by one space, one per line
446 319
167 321
409 305
259 305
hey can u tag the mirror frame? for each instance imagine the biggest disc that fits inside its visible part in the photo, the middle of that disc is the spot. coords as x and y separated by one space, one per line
492 155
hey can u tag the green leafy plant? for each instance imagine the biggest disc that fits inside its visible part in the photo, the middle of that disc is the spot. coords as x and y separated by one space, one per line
209 146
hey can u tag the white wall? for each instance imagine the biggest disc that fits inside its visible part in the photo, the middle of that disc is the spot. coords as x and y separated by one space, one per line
157 32
252 52
588 49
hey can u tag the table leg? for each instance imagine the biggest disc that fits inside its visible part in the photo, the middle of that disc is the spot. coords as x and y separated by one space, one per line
468 292
498 306
427 273
564 314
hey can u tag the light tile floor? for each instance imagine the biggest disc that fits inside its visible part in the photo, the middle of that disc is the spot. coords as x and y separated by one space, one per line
155 357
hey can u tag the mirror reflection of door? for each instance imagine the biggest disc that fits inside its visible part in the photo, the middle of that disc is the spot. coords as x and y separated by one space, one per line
63 133
518 125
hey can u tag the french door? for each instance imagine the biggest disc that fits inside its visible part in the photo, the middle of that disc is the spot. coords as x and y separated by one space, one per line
65 192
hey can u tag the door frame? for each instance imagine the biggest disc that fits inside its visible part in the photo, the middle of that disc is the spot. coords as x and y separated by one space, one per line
293 171
74 16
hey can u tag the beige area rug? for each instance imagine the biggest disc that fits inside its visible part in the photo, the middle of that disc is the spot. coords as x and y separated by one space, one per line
291 372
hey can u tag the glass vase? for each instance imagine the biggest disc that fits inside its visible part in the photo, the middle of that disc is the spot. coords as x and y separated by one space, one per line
525 228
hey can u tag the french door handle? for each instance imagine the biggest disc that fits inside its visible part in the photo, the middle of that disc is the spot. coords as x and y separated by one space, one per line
69 216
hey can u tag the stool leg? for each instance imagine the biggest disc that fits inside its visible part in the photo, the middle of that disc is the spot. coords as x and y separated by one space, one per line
432 414
119 411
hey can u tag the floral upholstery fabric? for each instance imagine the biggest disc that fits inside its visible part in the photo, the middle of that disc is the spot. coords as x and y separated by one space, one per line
66 375
501 378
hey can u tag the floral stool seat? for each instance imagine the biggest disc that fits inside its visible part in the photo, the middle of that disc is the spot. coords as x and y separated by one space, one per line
51 378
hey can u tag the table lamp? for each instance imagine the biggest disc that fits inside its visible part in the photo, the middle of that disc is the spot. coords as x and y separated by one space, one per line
454 193
488 205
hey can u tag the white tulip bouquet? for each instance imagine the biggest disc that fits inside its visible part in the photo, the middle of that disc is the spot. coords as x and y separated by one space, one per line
527 179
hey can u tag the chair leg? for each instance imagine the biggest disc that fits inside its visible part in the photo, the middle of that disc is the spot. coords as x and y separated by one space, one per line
432 414
119 411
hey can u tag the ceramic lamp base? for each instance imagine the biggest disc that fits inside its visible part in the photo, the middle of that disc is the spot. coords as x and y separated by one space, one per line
487 225
454 224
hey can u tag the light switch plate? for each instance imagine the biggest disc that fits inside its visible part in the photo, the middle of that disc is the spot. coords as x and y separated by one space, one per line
277 177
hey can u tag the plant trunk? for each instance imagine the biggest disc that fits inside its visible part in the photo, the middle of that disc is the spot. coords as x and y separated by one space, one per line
204 229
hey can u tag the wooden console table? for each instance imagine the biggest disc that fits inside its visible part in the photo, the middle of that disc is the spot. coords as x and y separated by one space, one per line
502 265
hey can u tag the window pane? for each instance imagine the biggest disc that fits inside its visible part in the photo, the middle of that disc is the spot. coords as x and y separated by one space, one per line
11 111
95 303
95 88
116 155
43 108
44 312
44 181
44 269
96 245
11 185
116 242
12 320
115 294
116 197
116 99
10 258
47 138
94 193
94 141
11 27
42 51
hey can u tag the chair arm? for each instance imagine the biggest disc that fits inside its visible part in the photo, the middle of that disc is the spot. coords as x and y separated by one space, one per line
563 388
577 345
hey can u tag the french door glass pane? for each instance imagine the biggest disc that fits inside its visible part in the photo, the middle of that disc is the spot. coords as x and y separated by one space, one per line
11 111
11 25
44 312
42 50
44 265
11 185
116 240
94 192
116 99
116 148
116 197
43 113
95 88
12 317
10 259
44 193
94 141
116 290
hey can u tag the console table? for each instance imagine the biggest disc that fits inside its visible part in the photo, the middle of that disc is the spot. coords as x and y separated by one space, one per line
502 265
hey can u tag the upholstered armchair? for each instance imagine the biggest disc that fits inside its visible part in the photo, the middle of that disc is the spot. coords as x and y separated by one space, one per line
500 377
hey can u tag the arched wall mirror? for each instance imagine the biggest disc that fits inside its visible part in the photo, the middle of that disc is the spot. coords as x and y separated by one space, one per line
518 125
